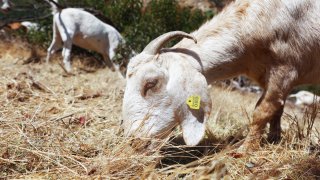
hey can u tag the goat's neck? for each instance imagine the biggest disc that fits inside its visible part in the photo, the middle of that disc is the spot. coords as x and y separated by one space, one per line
220 50
218 57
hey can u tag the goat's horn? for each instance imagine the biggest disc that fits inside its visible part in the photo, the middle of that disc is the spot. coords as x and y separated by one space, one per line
154 46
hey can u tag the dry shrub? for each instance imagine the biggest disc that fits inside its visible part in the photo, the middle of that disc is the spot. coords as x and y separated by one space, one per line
18 50
231 113
304 123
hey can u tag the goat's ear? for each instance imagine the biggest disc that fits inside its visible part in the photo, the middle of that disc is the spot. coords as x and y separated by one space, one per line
197 109
195 103
193 127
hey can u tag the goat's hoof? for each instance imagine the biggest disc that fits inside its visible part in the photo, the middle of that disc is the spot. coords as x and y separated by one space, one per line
248 146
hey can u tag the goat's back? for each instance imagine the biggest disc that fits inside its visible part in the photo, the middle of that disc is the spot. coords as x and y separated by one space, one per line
281 33
86 30
79 20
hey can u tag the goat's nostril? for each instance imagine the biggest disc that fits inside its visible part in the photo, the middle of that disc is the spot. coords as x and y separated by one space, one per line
121 122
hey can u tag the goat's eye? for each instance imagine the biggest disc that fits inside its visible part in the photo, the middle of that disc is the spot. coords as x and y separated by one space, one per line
149 85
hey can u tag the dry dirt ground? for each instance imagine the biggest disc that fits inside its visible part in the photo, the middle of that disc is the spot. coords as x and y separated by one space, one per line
54 126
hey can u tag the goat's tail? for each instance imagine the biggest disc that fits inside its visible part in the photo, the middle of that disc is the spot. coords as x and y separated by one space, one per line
55 7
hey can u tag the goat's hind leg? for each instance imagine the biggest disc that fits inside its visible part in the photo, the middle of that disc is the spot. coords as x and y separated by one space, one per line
66 52
55 45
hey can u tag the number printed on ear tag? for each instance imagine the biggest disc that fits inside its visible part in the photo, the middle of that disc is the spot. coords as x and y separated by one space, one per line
194 102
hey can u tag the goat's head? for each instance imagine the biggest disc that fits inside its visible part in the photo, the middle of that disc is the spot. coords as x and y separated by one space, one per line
5 6
157 90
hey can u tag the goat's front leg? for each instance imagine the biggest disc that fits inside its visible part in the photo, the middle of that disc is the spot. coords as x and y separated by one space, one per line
108 62
274 135
264 112
275 123
268 110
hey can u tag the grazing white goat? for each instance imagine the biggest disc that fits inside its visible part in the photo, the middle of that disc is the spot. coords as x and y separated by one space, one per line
30 25
6 5
274 42
304 98
234 85
76 26
242 84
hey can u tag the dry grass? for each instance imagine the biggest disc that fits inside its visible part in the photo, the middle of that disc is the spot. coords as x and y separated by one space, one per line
54 126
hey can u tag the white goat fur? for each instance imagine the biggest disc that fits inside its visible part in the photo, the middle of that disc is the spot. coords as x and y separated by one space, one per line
75 26
274 42
30 25
304 98
6 5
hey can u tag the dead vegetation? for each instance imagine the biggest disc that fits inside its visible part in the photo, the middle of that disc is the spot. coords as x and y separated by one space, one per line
54 126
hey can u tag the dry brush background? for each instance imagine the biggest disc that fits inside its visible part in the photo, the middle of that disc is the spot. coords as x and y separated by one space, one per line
54 126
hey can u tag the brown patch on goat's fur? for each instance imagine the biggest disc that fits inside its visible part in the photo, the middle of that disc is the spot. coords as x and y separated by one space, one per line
299 11
242 9
130 75
236 11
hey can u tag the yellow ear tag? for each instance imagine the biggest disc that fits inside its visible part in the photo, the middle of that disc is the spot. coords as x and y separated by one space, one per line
194 102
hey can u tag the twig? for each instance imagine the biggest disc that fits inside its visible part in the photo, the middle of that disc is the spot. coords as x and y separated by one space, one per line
7 160
62 117
64 69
